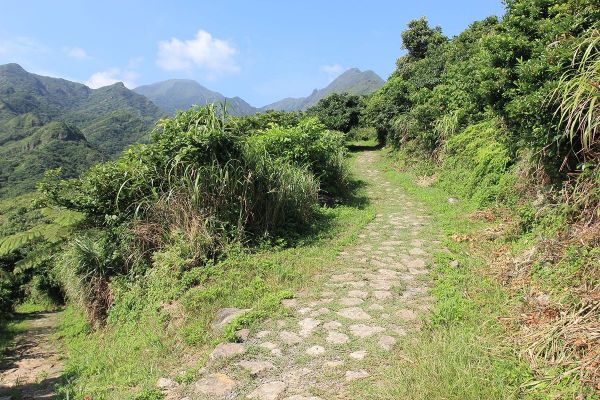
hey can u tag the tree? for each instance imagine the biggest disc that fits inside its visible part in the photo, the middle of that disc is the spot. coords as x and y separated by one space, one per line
339 112
419 38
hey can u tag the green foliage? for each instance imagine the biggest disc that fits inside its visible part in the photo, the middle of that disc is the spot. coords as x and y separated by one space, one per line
307 145
476 163
579 93
338 112
419 38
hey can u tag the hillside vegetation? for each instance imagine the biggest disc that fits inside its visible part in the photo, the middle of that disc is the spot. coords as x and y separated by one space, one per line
47 123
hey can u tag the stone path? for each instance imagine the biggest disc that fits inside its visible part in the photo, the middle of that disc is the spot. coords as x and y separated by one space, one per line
33 365
343 328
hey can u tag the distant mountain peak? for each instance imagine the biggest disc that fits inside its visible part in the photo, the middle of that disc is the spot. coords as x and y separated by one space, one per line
352 80
180 94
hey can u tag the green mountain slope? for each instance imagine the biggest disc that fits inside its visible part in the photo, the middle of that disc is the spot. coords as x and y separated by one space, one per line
353 81
181 94
48 122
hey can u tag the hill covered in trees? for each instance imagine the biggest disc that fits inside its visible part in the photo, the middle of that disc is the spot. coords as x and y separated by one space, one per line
48 123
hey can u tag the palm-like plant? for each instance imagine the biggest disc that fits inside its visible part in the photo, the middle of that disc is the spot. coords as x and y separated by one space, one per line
579 92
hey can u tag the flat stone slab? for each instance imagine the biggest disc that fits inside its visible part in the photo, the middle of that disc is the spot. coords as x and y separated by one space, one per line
387 342
268 391
333 364
354 313
299 397
361 294
358 355
315 350
225 316
332 325
354 375
227 350
351 301
406 314
307 325
215 385
382 294
337 337
363 331
290 338
255 367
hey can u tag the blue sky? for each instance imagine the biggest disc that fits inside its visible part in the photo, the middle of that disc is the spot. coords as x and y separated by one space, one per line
261 51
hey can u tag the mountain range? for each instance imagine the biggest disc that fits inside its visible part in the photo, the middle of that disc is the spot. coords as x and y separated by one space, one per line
181 94
50 122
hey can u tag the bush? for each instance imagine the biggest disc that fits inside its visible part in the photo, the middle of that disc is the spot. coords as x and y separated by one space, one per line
307 145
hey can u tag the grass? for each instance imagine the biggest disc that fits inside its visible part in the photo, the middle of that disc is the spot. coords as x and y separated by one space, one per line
462 350
161 326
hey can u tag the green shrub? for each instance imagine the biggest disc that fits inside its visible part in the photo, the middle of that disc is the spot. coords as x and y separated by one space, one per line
307 145
476 163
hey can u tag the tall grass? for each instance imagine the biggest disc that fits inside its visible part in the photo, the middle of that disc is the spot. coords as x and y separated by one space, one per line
579 94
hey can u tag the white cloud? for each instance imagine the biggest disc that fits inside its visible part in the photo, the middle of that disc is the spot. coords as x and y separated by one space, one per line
111 76
214 55
76 52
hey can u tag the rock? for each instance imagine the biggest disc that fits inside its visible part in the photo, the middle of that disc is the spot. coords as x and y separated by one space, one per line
299 397
165 383
387 342
358 355
350 301
416 251
354 313
268 391
358 293
337 337
333 364
315 350
363 331
307 325
225 316
342 277
227 350
452 200
242 335
332 325
289 303
406 314
215 385
262 334
290 338
454 264
255 367
305 310
376 307
354 375
320 311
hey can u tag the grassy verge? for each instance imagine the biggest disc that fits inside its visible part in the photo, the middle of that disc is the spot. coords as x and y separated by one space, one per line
161 325
462 352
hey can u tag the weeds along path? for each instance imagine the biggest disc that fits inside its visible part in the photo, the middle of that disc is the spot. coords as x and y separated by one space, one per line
32 366
345 326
